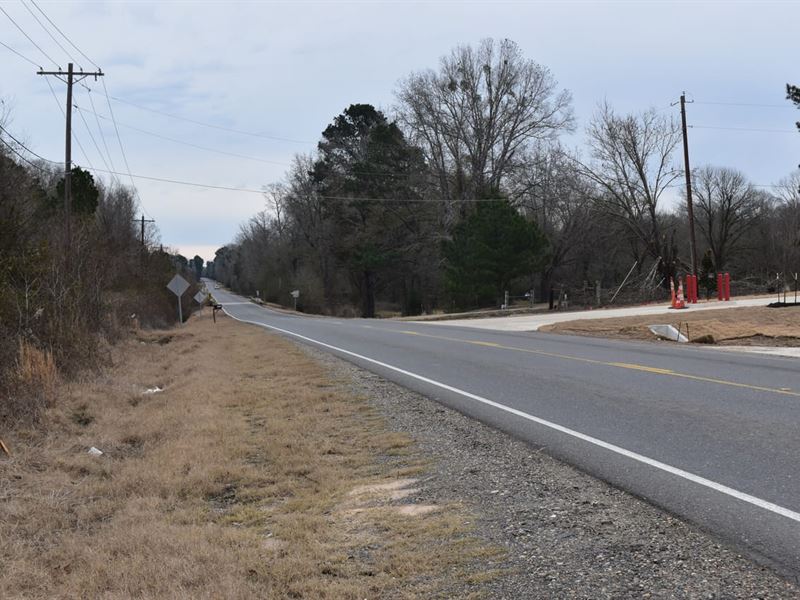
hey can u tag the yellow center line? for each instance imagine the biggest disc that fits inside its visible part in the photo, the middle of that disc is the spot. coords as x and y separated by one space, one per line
642 368
618 365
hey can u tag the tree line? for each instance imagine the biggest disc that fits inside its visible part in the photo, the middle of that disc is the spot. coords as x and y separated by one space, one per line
467 190
63 299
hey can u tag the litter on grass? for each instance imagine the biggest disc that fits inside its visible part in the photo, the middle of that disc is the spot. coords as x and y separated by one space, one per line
668 332
154 390
95 451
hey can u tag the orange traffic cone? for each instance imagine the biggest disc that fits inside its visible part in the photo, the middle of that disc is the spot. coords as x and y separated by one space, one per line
681 300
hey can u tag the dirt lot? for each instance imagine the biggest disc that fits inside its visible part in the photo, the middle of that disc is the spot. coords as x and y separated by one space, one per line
250 475
736 326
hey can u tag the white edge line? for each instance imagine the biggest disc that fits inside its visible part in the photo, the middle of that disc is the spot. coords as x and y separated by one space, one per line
718 487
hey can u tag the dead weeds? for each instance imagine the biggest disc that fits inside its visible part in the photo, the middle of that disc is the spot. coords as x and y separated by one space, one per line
240 479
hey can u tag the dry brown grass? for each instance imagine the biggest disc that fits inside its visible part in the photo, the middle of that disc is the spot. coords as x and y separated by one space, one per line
32 384
745 325
239 480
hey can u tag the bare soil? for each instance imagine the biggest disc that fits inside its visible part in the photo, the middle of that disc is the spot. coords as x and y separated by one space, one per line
253 474
760 326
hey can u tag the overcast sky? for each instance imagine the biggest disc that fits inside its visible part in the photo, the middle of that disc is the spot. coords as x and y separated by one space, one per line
285 69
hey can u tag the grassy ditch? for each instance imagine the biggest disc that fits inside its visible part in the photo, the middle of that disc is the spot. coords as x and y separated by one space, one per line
252 474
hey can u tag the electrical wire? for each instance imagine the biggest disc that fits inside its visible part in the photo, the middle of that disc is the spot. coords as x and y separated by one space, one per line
210 125
47 56
49 20
342 198
22 56
122 150
744 104
21 145
61 108
94 141
743 129
15 151
185 143
224 152
100 129
47 31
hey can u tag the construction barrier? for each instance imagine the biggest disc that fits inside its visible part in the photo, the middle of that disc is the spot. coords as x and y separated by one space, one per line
691 289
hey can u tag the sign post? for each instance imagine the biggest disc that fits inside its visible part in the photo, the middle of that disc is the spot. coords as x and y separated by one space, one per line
178 286
295 295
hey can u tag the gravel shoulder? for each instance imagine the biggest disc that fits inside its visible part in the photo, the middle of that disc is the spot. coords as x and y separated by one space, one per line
567 534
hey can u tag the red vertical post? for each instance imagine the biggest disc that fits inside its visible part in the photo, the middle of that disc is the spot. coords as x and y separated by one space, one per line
694 289
727 286
720 284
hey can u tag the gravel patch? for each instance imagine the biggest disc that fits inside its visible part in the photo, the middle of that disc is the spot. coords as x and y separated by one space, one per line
566 534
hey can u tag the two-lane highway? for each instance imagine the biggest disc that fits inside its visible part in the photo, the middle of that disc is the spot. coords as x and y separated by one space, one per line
710 436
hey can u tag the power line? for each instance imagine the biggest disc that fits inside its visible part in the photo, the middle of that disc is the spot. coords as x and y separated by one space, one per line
94 141
47 56
744 129
47 31
261 191
225 152
210 125
193 145
21 145
22 56
119 139
49 20
100 129
744 104
122 150
61 108
15 151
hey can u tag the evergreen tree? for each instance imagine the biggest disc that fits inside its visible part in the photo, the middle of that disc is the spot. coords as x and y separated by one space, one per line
84 192
366 174
489 250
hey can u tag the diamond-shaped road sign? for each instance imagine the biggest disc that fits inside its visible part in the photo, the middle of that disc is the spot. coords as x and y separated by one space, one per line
178 285
200 297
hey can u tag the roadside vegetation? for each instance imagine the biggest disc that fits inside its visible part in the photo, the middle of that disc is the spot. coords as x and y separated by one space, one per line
250 474
372 223
65 297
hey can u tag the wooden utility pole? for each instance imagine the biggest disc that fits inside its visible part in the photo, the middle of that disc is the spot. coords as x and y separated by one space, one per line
143 251
71 78
689 206
143 221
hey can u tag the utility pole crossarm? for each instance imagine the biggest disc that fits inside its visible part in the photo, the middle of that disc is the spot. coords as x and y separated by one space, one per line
143 221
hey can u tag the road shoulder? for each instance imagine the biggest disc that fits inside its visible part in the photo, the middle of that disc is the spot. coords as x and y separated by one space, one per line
567 534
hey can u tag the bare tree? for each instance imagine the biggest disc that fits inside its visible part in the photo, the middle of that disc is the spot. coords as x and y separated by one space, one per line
552 191
476 115
785 229
726 207
632 169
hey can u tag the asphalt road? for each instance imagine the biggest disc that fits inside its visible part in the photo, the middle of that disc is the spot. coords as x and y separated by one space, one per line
710 436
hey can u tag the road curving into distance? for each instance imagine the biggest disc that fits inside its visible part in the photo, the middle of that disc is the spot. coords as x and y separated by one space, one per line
709 436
